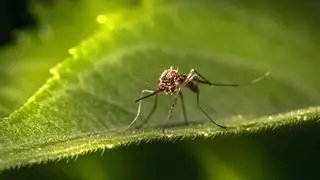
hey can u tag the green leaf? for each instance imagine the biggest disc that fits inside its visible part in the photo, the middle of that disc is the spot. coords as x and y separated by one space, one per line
88 101
25 64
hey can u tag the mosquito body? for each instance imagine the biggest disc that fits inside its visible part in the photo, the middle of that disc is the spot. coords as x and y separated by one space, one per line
171 82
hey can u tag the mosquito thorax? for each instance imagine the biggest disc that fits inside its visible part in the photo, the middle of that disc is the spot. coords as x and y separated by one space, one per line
170 81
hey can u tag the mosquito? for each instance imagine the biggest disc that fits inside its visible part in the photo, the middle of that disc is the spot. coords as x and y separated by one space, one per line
171 82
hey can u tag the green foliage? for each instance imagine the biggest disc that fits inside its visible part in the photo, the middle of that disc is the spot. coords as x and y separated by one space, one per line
87 100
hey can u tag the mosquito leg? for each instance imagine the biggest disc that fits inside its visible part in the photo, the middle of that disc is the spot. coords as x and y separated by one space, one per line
204 80
139 108
169 113
204 112
150 114
183 108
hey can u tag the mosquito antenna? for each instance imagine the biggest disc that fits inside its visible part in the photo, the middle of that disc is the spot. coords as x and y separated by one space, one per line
144 97
260 78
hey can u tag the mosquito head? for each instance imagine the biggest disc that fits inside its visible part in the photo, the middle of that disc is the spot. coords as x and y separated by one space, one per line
170 81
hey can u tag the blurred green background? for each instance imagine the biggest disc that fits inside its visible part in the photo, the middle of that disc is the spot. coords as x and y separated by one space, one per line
45 31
